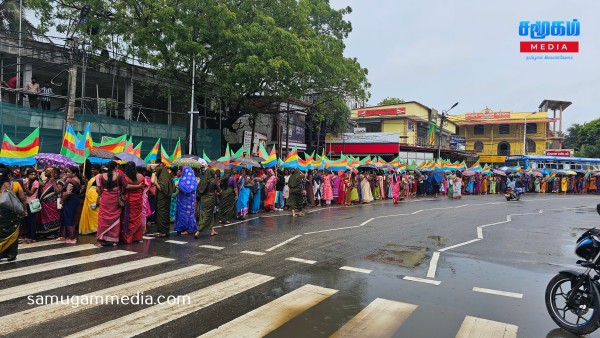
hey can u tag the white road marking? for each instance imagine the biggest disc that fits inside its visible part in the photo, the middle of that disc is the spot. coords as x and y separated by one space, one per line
149 318
38 244
300 260
459 244
349 268
487 225
246 220
336 229
212 247
433 264
80 277
416 212
283 243
28 270
498 293
381 318
148 237
422 280
53 252
366 222
175 242
473 327
269 317
479 232
255 253
45 313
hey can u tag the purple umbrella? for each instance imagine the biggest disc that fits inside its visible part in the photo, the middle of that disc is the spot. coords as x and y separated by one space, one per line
55 160
127 157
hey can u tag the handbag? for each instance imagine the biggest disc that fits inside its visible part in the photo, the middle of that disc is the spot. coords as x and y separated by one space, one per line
35 206
8 200
59 204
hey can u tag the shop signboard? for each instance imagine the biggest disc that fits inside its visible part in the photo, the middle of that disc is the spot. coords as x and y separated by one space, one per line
458 143
559 152
382 112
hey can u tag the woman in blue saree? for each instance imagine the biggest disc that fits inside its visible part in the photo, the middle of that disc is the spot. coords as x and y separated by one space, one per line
185 220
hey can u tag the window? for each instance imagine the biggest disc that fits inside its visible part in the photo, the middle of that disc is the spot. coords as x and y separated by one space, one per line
504 148
505 129
478 129
530 146
531 128
478 146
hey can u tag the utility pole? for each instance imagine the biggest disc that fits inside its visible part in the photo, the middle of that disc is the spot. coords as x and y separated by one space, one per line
443 120
70 118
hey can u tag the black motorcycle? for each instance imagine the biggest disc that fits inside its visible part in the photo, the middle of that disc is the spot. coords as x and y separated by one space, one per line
513 194
573 297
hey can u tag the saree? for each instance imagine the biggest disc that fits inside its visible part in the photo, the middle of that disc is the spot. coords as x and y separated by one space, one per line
564 184
296 185
109 217
207 189
255 204
185 220
327 189
341 189
243 198
310 191
367 196
227 206
348 191
50 213
270 188
9 234
132 229
88 222
395 189
173 206
68 219
163 201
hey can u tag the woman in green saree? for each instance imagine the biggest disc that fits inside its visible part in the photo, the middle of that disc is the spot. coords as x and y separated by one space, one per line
208 189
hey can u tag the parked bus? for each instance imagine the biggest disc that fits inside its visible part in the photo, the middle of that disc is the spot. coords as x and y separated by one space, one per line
551 162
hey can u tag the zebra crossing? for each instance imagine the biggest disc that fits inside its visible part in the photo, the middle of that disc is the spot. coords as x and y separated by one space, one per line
380 318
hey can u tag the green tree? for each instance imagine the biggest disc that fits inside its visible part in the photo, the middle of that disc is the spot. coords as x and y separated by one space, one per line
389 101
585 139
249 54
9 20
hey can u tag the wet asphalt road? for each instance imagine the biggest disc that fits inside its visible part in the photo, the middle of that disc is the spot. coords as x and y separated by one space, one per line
520 255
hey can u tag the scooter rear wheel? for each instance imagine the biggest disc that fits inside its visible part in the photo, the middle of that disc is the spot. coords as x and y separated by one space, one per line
581 316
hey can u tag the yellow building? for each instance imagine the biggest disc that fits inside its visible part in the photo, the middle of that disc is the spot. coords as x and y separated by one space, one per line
495 134
410 119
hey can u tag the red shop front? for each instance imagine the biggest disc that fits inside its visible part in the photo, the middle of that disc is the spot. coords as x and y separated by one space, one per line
363 148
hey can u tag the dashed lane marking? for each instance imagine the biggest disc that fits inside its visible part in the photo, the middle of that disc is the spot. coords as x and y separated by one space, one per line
176 242
212 247
300 260
473 327
422 280
349 268
498 292
254 253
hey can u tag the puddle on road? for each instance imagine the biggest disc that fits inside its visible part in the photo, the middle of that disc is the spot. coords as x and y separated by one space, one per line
440 240
400 255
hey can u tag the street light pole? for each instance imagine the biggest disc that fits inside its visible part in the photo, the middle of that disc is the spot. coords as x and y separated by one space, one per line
444 112
525 134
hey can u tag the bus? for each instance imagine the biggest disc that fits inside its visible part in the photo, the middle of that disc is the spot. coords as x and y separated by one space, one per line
551 162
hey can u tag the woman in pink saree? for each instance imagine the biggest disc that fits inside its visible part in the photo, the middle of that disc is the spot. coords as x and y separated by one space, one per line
109 185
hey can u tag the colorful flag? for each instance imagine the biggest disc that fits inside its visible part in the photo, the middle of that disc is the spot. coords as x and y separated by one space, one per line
164 157
177 152
227 157
137 151
239 153
431 133
271 160
204 157
70 146
85 141
114 145
262 152
22 153
153 154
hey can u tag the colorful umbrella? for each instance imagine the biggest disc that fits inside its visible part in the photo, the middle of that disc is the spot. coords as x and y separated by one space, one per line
247 162
187 162
498 172
102 154
218 165
55 160
468 173
127 157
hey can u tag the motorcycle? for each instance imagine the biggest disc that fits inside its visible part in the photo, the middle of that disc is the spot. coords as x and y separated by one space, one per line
573 297
513 194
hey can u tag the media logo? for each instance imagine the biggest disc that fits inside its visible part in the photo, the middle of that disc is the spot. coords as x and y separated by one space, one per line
540 30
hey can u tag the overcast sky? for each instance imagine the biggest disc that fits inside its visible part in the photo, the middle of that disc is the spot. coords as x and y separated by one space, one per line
440 52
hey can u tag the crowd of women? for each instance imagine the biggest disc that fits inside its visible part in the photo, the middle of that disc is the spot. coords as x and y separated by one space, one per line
117 202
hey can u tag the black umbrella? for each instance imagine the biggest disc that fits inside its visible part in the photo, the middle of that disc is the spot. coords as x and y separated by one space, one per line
368 167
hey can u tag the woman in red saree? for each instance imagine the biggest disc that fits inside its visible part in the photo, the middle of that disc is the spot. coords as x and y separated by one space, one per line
271 180
131 225
109 185
341 188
